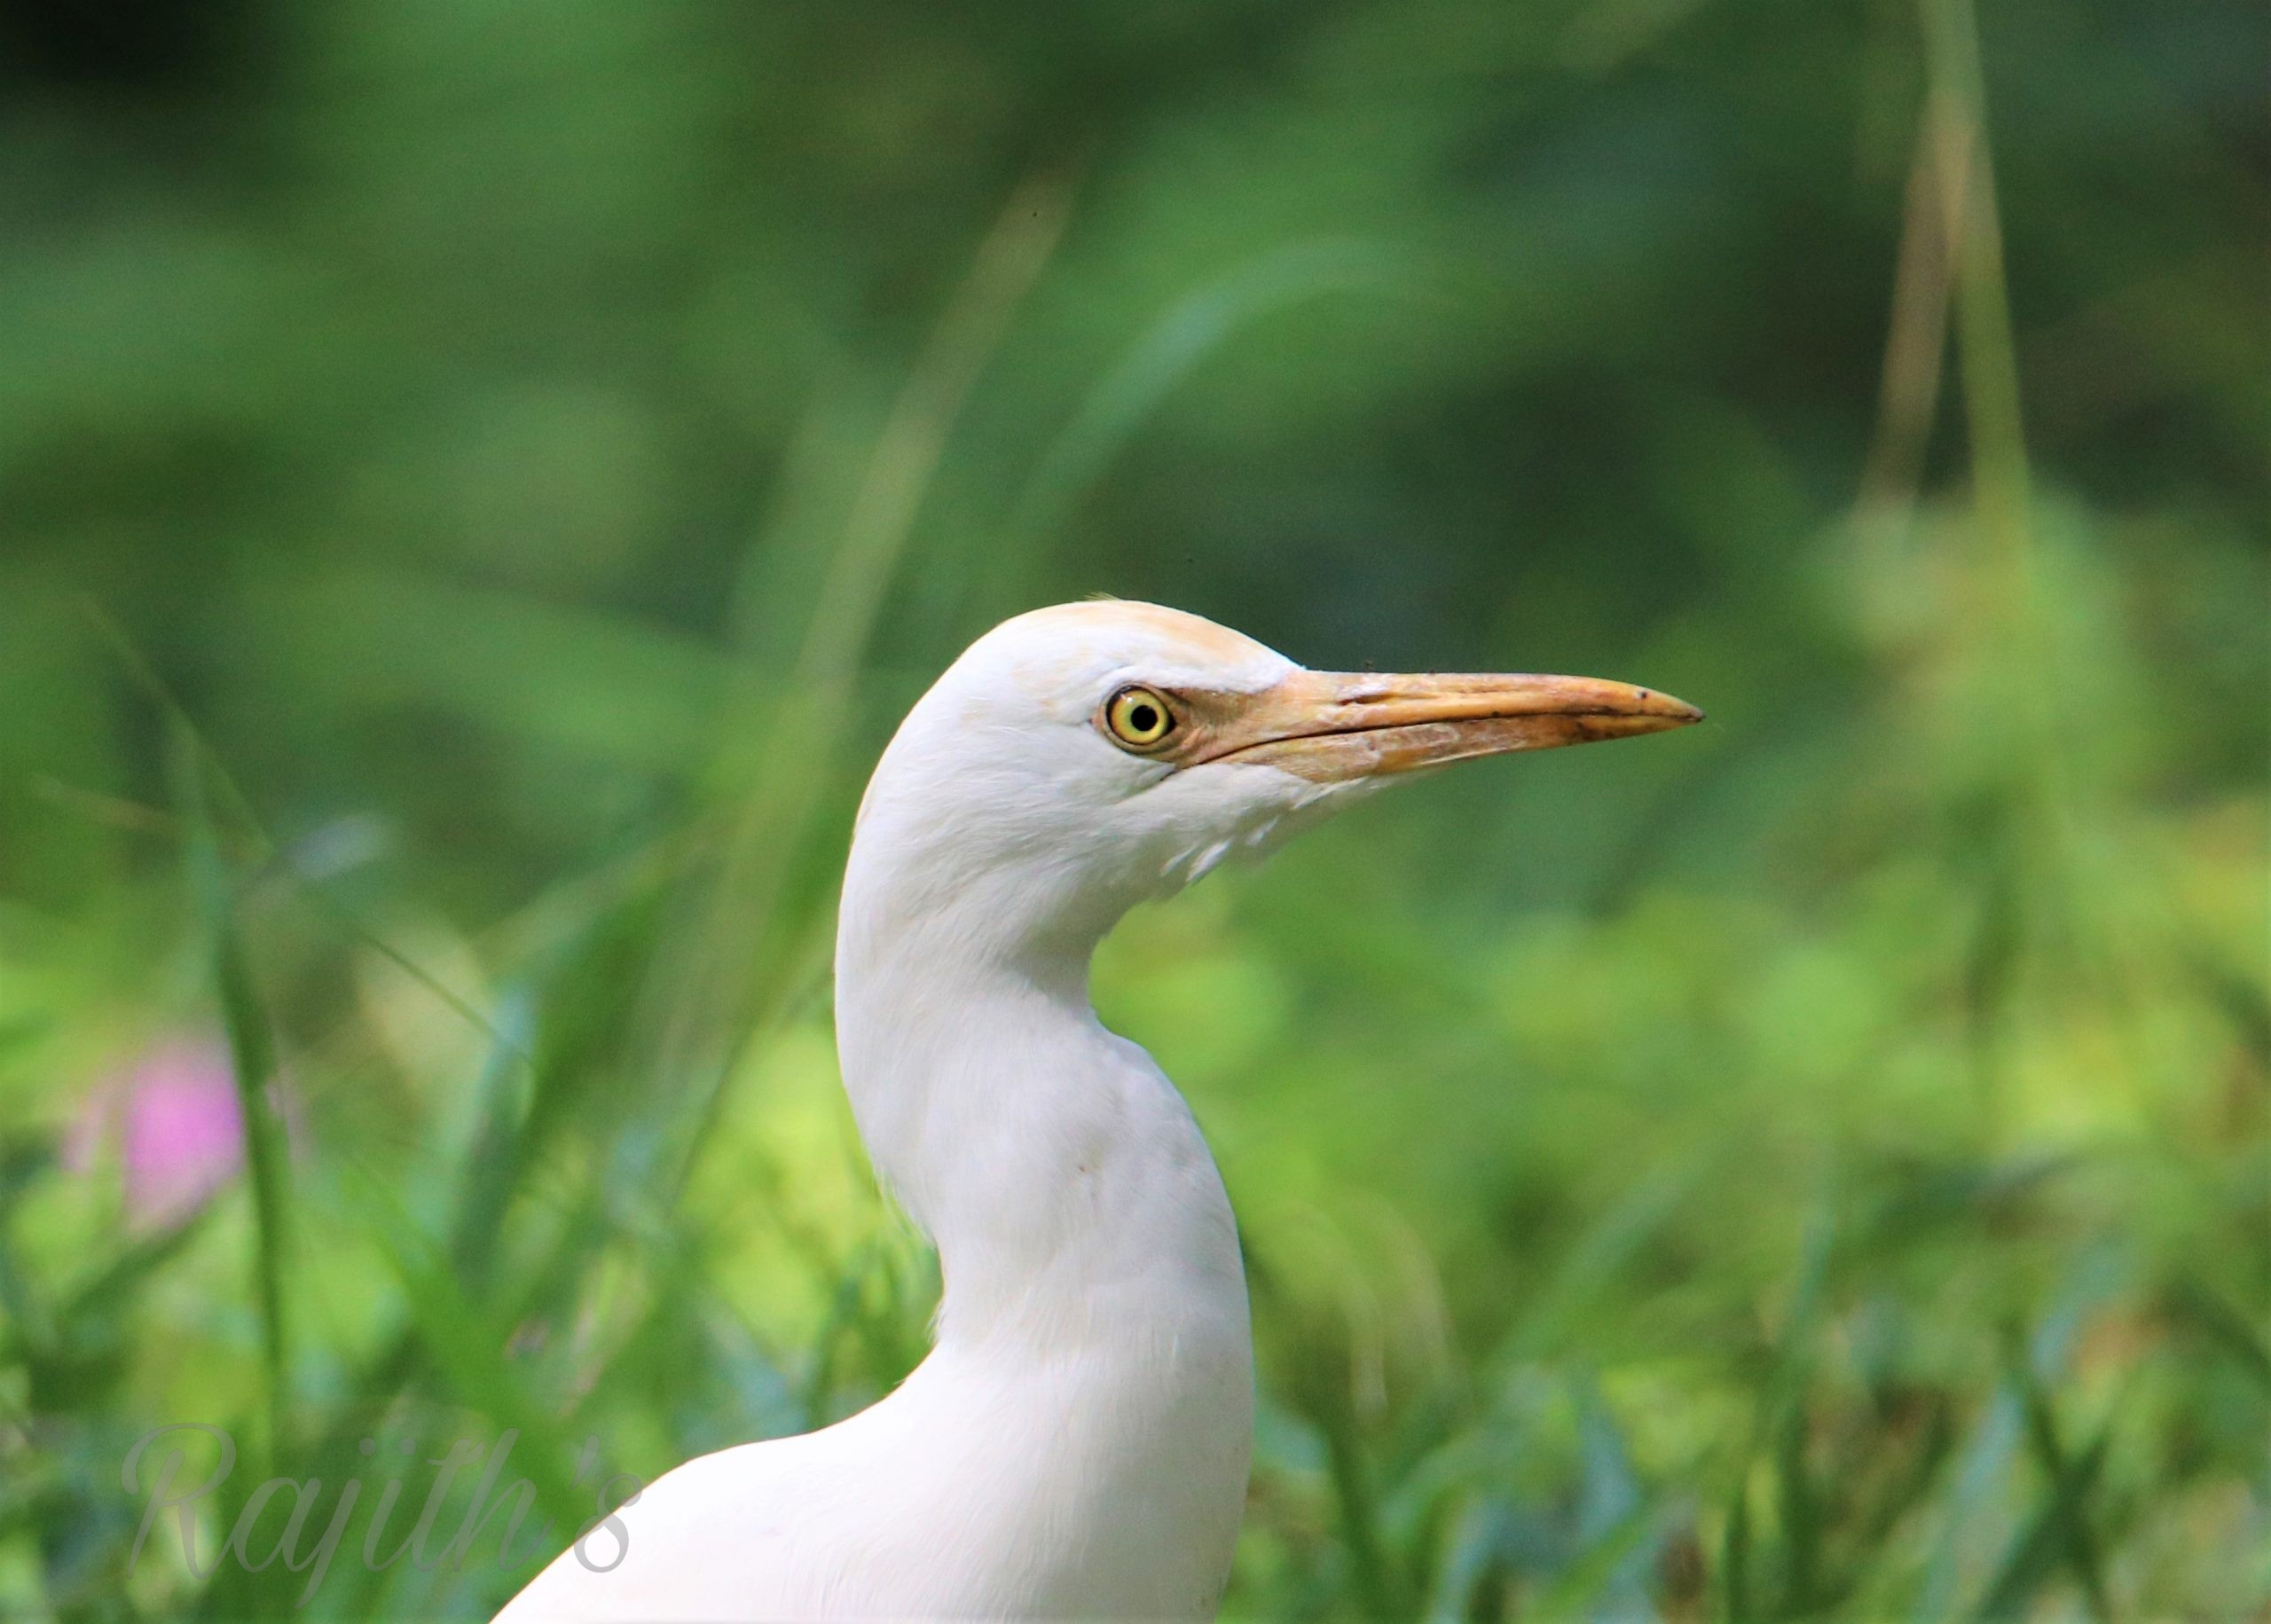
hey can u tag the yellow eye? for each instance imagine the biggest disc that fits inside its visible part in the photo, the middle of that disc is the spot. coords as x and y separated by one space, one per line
1138 718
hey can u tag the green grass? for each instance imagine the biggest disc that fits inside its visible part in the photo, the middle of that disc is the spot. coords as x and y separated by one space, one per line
1756 1277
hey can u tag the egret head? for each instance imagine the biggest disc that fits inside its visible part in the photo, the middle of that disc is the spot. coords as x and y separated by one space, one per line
1080 759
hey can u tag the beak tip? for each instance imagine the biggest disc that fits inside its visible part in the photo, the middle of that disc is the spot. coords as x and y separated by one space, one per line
1675 712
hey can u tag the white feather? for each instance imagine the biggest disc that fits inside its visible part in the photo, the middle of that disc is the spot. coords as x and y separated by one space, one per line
1076 1444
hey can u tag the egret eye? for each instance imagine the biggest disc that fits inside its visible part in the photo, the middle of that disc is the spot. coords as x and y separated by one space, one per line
1138 718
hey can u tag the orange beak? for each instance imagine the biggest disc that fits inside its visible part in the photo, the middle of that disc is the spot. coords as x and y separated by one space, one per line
1334 725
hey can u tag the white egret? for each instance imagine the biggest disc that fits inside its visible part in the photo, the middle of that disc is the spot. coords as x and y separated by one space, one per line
1075 1445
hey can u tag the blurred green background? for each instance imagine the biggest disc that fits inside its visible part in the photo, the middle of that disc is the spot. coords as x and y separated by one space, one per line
479 483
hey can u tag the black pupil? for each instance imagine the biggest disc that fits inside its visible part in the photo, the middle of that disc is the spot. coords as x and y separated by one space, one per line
1142 717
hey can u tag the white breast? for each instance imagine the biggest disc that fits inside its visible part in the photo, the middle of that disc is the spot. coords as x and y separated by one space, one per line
1095 1484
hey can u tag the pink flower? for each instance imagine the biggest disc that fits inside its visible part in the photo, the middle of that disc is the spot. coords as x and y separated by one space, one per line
175 1119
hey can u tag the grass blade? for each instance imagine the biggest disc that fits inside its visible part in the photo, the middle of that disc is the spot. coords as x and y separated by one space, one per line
252 1053
2065 1517
2048 1537
468 1348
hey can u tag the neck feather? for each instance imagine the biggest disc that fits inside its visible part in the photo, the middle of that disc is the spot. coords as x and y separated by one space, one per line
1068 1190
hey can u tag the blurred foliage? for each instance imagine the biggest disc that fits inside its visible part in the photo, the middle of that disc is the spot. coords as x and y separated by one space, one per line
478 483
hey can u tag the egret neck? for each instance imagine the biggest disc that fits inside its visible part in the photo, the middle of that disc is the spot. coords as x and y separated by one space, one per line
1094 1301
1060 1174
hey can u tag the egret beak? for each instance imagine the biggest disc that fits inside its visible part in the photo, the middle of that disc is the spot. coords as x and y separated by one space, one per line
1330 726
